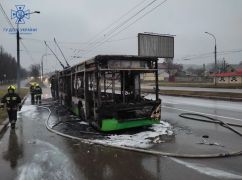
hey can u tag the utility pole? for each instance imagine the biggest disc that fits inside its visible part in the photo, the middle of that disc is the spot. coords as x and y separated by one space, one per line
204 70
224 65
42 65
18 59
18 49
215 57
42 70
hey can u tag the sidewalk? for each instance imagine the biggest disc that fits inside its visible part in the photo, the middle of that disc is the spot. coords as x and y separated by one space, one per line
3 126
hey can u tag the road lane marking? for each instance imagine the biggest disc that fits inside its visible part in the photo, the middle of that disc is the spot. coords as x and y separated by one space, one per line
202 113
208 171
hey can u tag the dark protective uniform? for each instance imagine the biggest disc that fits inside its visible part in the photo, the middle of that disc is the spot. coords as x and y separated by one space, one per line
52 87
38 93
31 89
12 101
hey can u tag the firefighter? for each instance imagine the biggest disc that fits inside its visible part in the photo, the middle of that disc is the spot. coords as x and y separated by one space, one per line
38 93
52 87
13 104
32 91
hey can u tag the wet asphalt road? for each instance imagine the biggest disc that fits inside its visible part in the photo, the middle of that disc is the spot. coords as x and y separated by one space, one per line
32 152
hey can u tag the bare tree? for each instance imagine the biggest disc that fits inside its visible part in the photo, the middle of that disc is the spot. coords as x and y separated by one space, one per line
8 66
35 70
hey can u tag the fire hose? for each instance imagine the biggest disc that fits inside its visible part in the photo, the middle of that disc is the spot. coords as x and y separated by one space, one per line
155 152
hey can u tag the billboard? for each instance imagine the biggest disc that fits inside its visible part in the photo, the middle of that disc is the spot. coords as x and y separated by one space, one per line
155 45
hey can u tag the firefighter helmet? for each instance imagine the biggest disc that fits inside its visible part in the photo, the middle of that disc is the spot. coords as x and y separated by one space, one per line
11 87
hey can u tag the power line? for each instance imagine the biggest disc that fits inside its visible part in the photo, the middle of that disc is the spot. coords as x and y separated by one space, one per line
77 43
210 54
61 53
127 20
139 18
27 51
54 55
116 21
123 23
93 41
1 26
75 49
145 14
6 16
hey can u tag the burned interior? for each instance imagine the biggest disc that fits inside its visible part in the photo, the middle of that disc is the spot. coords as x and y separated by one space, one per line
108 87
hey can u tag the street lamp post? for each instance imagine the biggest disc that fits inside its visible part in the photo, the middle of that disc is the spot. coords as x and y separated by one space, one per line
18 49
215 56
18 60
42 65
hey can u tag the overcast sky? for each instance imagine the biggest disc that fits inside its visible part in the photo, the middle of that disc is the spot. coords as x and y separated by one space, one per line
75 22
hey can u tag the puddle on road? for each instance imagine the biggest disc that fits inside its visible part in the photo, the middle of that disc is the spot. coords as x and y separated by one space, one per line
28 110
48 163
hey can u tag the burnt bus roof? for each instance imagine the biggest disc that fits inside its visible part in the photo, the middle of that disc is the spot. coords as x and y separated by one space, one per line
105 58
124 57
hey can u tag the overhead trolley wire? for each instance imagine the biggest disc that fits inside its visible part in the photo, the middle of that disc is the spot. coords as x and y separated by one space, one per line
6 16
116 21
130 18
145 14
210 54
95 40
68 65
122 24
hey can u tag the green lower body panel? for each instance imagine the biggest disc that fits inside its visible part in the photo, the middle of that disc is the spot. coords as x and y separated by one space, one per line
75 110
114 124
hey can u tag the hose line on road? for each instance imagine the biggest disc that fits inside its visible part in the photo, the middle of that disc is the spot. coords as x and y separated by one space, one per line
152 152
192 116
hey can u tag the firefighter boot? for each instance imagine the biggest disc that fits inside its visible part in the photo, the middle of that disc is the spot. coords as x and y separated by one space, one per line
12 125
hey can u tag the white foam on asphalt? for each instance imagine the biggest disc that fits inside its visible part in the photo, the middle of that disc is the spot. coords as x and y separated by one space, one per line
83 122
27 108
209 171
49 163
140 140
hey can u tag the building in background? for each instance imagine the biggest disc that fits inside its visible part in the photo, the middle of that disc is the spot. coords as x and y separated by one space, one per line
229 77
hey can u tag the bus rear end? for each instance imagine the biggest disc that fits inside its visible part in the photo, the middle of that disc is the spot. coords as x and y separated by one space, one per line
118 87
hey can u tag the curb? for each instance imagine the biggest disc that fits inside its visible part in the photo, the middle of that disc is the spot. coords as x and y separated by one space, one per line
5 123
204 97
228 98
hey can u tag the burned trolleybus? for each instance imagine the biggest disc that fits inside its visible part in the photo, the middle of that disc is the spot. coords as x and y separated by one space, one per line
106 91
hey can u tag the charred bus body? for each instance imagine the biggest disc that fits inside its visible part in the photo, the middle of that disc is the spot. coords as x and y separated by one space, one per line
106 91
